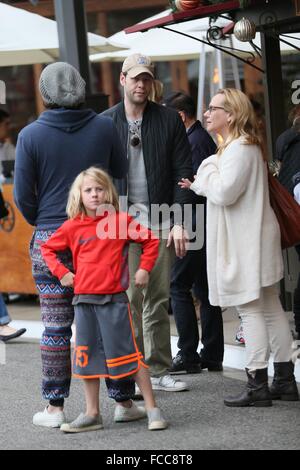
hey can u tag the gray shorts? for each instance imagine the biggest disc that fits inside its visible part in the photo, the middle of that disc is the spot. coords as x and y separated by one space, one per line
105 345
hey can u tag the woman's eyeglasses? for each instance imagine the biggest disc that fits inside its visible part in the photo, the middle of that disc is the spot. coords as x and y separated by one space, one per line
211 109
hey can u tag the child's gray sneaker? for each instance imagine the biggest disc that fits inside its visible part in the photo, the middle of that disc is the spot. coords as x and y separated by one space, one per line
83 423
156 420
122 414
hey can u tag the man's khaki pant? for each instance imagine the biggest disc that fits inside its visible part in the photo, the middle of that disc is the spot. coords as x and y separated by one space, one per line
149 307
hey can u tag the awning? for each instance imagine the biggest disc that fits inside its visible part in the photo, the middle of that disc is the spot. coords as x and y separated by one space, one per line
178 17
28 38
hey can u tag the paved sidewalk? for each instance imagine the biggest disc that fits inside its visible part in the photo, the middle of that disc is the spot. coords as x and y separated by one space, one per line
29 310
198 419
26 313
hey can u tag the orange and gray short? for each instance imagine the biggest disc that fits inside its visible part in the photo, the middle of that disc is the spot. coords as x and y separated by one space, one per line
105 345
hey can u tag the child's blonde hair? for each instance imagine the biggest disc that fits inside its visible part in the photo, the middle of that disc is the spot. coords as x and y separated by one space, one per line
75 205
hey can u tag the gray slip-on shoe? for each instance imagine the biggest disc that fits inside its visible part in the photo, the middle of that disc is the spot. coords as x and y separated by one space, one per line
156 420
83 423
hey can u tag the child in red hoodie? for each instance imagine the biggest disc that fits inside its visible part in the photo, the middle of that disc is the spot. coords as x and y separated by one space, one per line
98 236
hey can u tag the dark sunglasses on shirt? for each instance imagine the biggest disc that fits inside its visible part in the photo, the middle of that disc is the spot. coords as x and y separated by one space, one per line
135 141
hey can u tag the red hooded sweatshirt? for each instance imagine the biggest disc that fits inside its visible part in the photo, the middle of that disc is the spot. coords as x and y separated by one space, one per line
100 250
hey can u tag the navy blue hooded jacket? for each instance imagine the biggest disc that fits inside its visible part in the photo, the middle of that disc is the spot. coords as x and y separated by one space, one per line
52 151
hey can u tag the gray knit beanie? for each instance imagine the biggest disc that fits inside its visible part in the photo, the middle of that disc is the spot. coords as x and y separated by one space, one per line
62 85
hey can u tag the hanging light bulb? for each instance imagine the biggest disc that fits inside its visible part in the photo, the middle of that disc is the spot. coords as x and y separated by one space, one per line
216 76
245 30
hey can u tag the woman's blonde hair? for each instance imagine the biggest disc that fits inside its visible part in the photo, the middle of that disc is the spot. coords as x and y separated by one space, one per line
157 91
243 119
75 205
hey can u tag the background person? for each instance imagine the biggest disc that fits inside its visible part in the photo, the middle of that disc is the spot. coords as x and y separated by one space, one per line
157 92
7 149
7 332
190 271
7 152
288 153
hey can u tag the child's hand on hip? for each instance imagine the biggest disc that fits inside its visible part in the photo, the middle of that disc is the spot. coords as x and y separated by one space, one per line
68 280
141 278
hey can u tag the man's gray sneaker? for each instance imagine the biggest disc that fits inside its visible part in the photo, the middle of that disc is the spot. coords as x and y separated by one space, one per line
168 384
156 420
83 423
122 414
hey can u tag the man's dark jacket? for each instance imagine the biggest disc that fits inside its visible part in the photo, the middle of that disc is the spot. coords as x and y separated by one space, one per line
202 146
166 150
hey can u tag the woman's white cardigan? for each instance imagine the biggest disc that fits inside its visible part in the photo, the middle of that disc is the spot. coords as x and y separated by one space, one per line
243 235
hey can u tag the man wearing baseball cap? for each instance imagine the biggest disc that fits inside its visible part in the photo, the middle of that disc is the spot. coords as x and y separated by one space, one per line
136 64
158 151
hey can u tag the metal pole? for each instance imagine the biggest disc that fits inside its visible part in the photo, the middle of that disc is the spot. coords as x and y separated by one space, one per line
201 82
235 69
72 34
73 45
212 64
273 84
220 68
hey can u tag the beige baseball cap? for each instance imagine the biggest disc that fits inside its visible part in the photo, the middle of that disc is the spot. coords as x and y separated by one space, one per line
136 64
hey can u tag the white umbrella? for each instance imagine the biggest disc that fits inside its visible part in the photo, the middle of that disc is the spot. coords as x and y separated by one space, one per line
162 45
28 38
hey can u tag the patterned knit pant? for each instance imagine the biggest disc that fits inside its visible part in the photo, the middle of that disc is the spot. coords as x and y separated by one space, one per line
57 316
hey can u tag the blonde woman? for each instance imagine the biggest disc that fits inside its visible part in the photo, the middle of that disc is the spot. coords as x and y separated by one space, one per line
98 235
243 246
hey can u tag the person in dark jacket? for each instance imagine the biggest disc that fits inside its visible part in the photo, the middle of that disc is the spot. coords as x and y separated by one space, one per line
155 141
65 140
191 270
288 153
7 152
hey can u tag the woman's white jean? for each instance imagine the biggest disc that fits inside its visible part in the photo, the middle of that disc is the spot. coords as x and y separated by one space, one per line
266 329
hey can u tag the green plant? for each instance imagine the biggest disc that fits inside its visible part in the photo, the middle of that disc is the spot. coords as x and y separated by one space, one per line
172 5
